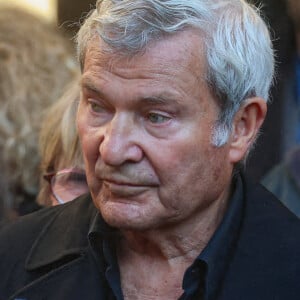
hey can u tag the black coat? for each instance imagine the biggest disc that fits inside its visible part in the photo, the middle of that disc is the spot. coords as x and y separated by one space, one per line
46 255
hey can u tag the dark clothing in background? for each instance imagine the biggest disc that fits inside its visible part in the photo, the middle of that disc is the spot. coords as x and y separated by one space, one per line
28 206
284 181
277 132
67 252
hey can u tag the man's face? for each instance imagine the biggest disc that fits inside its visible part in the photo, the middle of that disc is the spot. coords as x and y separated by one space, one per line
145 126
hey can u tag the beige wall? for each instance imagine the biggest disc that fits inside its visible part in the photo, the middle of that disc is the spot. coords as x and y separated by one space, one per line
47 8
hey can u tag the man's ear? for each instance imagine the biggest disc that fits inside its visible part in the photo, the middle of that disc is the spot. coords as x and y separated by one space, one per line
246 124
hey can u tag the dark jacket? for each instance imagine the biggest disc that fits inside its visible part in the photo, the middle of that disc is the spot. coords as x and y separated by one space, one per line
47 255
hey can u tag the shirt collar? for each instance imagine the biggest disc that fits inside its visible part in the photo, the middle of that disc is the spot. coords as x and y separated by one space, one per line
215 255
218 251
102 239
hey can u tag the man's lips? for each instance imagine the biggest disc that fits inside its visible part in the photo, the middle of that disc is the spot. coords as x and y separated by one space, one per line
127 183
126 188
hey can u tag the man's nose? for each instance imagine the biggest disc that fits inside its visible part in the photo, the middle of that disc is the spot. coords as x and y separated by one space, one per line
120 142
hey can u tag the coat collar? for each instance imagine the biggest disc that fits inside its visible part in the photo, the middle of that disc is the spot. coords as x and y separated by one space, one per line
293 165
64 236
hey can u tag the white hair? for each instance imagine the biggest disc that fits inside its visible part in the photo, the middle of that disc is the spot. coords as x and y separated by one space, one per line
238 47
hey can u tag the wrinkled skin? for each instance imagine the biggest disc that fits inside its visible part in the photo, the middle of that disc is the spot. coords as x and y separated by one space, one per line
145 125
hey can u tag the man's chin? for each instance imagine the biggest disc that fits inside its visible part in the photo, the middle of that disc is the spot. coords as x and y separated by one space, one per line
126 224
123 216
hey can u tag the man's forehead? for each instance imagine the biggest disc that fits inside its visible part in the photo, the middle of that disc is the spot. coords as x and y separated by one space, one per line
173 49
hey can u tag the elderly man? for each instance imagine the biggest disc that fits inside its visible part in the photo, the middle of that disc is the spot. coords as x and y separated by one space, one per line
173 95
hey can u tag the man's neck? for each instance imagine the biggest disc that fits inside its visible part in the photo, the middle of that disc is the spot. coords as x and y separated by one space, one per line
165 253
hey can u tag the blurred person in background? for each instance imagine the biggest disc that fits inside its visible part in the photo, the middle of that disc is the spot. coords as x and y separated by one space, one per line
284 181
284 178
62 169
36 63
275 138
290 93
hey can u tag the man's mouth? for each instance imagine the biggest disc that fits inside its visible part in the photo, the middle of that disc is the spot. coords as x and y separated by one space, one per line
125 188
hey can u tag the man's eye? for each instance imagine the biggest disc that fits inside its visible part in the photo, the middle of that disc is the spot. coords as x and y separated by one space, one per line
157 118
95 107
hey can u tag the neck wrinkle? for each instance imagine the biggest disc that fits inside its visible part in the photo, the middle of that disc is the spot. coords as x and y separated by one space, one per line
176 244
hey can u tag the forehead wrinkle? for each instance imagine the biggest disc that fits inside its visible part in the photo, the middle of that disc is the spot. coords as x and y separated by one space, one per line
159 98
124 65
90 84
151 65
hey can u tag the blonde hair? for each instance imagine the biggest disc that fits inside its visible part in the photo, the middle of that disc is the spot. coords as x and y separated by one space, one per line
59 142
36 63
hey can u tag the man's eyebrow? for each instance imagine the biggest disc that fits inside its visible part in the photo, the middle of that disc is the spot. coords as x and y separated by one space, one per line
89 84
159 99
